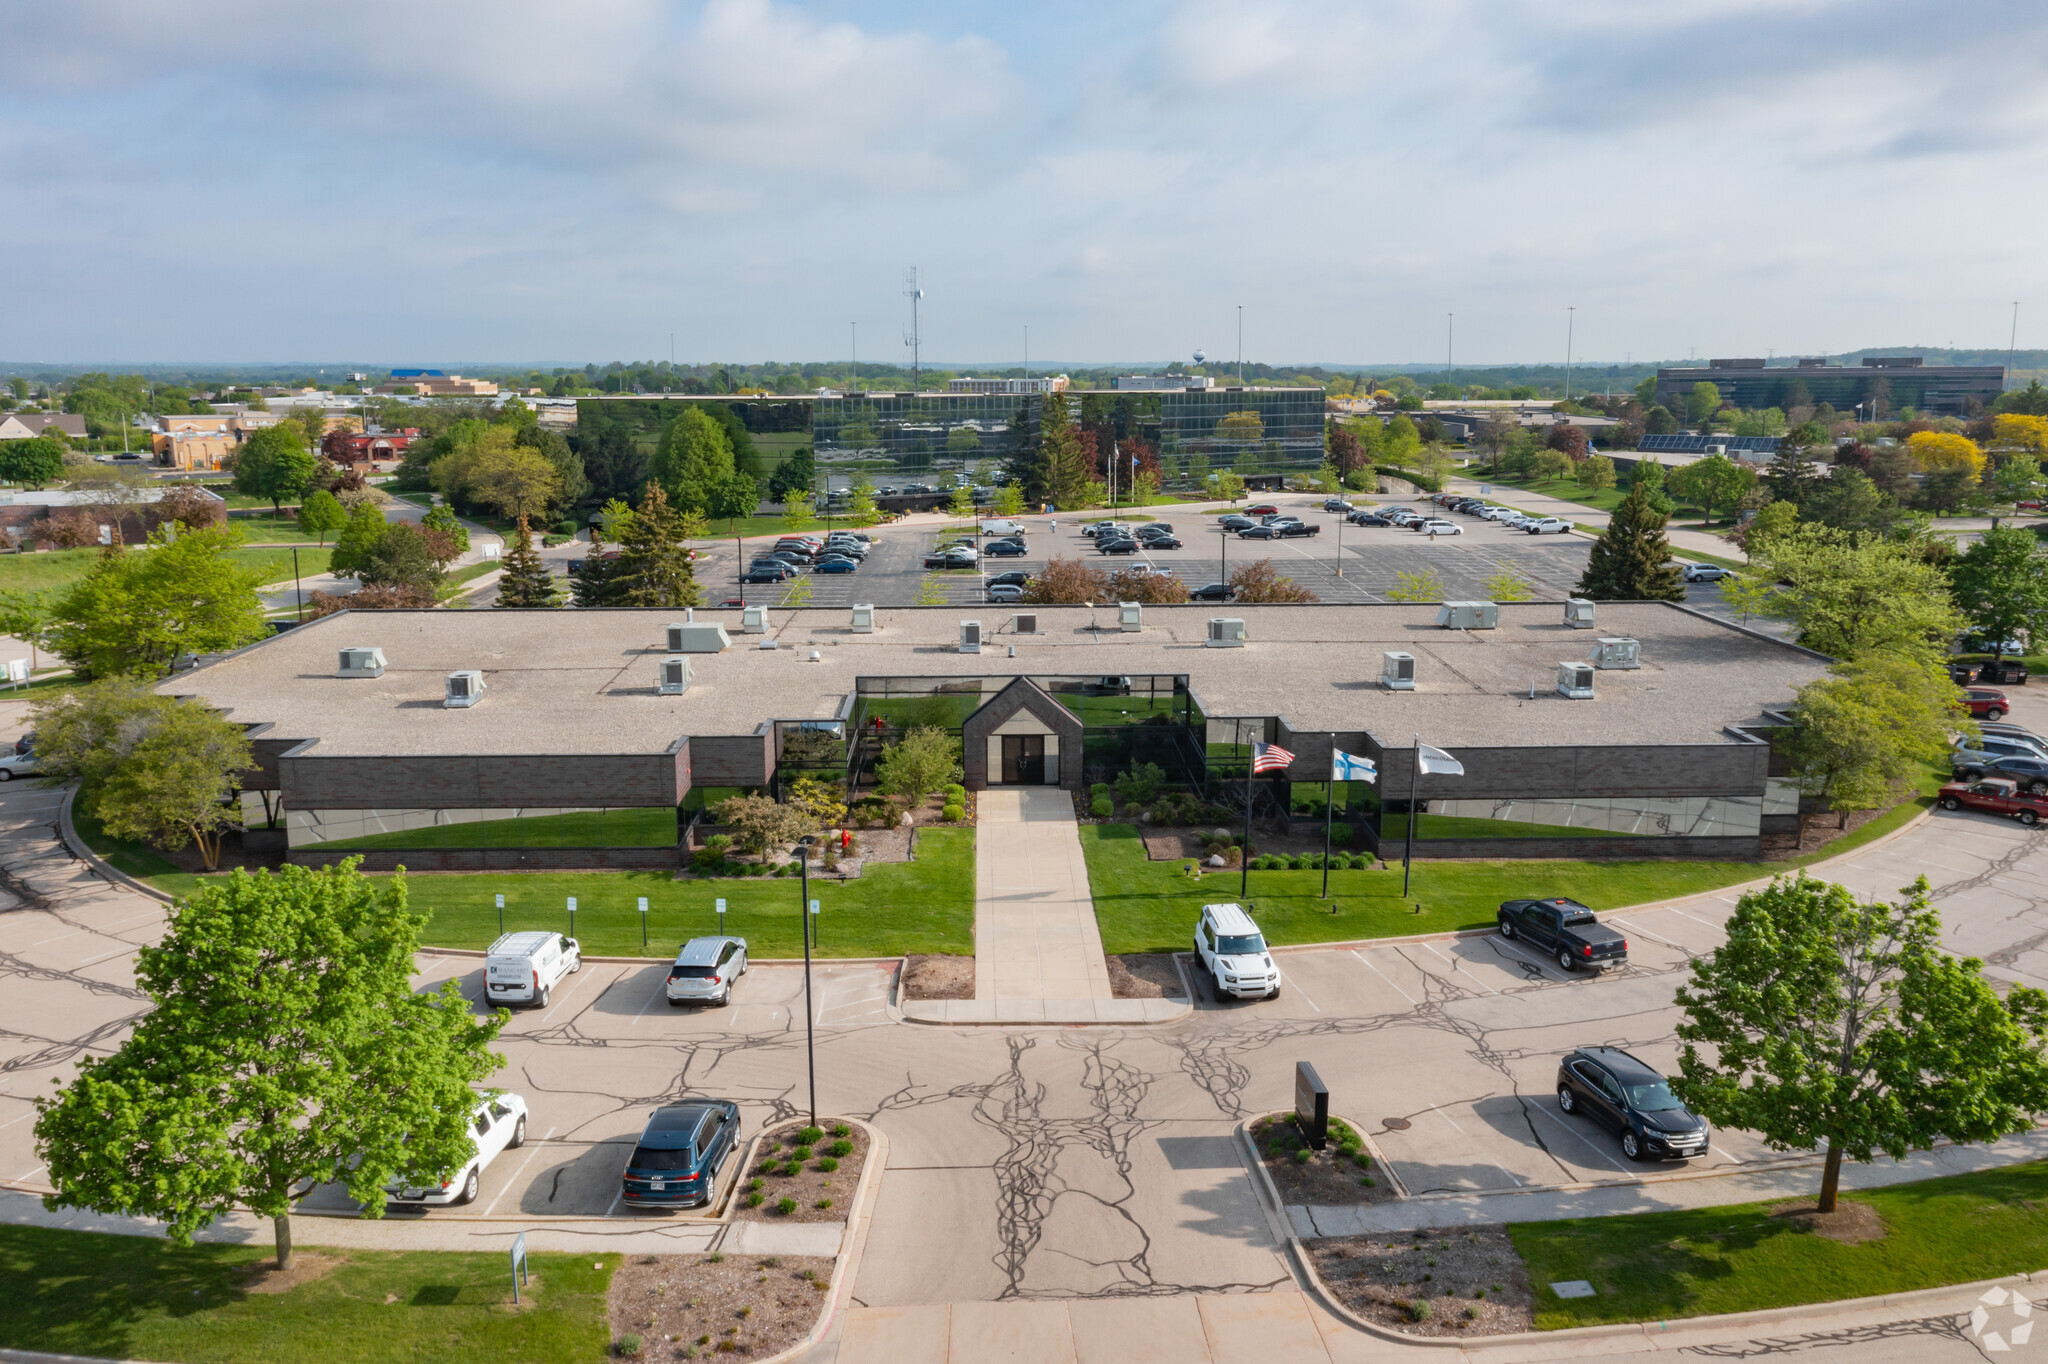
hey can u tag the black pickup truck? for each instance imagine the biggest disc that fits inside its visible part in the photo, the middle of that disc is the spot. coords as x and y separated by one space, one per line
1567 930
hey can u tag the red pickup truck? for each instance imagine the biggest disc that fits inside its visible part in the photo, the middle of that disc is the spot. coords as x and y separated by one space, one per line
1994 795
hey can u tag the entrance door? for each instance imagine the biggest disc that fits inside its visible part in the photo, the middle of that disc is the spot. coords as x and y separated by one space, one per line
1024 759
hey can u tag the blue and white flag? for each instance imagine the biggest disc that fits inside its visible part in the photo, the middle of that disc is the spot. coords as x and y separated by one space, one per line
1350 767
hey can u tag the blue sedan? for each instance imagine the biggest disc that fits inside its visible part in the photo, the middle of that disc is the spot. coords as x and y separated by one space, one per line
677 1159
836 566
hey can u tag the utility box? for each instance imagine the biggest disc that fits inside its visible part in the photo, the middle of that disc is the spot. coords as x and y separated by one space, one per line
1468 615
689 637
1225 632
754 620
1025 622
361 663
1130 617
1311 1105
863 618
970 636
1578 613
1617 653
1397 671
465 688
675 676
1575 681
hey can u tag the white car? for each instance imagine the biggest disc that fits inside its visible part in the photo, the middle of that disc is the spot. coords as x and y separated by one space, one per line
1548 525
496 1126
524 968
1500 514
1704 573
1434 526
1233 951
19 765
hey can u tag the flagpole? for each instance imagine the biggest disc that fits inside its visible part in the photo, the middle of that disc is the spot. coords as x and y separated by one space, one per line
1408 844
1329 804
1244 856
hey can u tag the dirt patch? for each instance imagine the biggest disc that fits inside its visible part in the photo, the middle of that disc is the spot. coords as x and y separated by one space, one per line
1820 830
1343 1172
1173 847
808 1192
306 1266
1440 1281
938 977
703 1306
1150 975
1852 1224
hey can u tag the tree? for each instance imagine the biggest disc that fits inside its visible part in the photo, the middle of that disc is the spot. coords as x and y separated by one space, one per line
2017 479
1857 733
1066 582
1703 402
312 425
1771 519
1847 500
1631 561
759 821
860 505
274 464
572 485
1550 465
2022 435
2001 584
1710 483
2031 399
1225 486
694 454
403 557
919 763
1658 421
796 510
962 503
1646 391
1945 450
1823 1021
653 564
85 735
25 615
358 539
1849 596
1790 476
287 1049
1508 585
1420 585
136 613
443 520
526 581
1062 463
321 514
1570 439
1258 583
798 473
1595 472
32 462
517 481
1153 589
175 779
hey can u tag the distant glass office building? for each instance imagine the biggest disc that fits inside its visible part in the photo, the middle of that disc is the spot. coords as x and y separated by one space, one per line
1898 382
920 437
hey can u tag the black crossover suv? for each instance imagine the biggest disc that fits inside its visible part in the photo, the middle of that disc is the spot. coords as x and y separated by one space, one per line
1614 1088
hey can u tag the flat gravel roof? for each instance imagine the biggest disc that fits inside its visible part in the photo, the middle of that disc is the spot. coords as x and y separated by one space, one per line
583 682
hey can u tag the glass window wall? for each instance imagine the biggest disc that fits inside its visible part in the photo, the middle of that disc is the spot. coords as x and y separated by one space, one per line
524 827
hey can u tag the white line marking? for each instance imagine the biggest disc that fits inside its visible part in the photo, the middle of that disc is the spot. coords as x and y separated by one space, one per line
1447 1118
515 1175
1454 966
1635 928
1697 919
615 1200
660 992
1304 994
1382 975
1581 1137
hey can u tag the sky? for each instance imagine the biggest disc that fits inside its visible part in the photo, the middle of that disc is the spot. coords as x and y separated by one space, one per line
439 181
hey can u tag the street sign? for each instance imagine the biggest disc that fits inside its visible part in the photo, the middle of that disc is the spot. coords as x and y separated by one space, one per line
572 916
501 916
519 1275
1311 1105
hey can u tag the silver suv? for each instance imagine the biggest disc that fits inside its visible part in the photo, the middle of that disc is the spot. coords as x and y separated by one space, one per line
705 970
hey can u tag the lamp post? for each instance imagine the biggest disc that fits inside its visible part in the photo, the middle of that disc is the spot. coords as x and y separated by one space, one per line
1244 856
803 923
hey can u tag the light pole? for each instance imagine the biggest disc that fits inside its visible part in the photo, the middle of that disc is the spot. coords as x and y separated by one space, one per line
803 923
1240 345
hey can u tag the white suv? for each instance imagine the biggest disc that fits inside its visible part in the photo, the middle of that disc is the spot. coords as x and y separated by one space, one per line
523 968
496 1125
1233 951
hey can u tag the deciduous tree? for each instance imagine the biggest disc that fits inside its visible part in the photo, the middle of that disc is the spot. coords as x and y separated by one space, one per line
1849 596
1067 582
1857 733
515 481
694 454
274 464
1258 582
321 515
922 761
2001 584
1945 450
32 462
179 765
135 613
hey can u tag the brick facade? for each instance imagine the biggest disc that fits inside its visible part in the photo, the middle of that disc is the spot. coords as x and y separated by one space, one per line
1022 695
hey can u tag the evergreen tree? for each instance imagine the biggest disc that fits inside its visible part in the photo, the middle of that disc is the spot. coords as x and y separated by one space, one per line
1062 463
526 580
654 564
1631 561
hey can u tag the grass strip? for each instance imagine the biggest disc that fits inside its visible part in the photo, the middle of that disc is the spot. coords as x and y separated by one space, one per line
138 1297
1657 1266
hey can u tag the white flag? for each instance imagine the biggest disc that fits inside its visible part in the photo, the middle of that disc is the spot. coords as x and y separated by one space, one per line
1350 767
1435 760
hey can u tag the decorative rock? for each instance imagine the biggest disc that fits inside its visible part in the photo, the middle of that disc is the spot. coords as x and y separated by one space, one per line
1219 833
1216 860
906 822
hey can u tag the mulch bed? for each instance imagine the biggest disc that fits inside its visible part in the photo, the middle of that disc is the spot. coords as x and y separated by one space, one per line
1852 1224
1150 975
1327 1178
1819 831
1440 1281
810 1193
1185 845
703 1306
938 977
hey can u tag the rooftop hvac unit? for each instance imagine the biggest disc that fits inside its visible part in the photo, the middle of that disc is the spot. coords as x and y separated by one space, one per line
676 675
1617 653
863 618
1026 624
1225 632
1397 671
1575 681
754 620
1130 617
970 636
1578 613
361 663
1468 615
465 688
690 638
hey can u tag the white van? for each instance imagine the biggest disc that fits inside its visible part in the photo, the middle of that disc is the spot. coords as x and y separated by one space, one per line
523 968
1002 528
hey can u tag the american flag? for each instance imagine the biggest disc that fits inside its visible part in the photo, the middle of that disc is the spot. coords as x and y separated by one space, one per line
1270 757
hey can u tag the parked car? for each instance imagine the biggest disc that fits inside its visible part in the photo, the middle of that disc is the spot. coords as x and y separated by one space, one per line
1987 704
2012 732
1500 514
1263 509
497 1125
1336 504
1016 575
1436 526
1997 746
1004 549
1095 530
1705 573
19 765
1119 544
1259 533
1994 796
1002 527
1235 522
1230 947
1977 642
957 557
767 574
1161 542
837 564
1631 1099
705 969
676 1161
1519 521
1366 518
524 968
1548 525
1004 592
1294 530
1566 929
1106 686
25 742
2030 774
1213 592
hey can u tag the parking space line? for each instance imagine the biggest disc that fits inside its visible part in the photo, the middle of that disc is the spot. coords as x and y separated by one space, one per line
1382 975
1697 919
1454 966
1635 928
660 991
514 1180
1512 1176
1582 1138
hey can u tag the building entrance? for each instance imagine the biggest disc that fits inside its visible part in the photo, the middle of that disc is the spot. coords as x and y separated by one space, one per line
1024 760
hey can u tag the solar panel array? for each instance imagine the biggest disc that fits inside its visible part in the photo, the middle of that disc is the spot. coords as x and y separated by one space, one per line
1699 445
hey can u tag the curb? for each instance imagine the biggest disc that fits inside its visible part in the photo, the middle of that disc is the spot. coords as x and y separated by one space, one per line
852 1245
99 865
664 960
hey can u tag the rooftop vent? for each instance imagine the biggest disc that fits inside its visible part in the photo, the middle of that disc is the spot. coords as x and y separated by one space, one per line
754 620
1616 653
1575 681
1026 624
361 663
675 676
689 638
1397 671
1468 615
1578 613
1226 632
465 688
1130 617
863 618
970 636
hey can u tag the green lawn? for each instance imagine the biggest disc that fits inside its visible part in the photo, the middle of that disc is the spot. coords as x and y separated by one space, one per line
136 859
266 529
137 1297
1661 1265
275 565
59 568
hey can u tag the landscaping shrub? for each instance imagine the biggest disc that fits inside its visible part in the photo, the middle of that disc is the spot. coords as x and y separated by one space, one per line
628 1346
953 814
787 1206
842 1147
809 1136
1140 784
1100 807
1340 833
828 1164
1099 791
955 794
566 526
